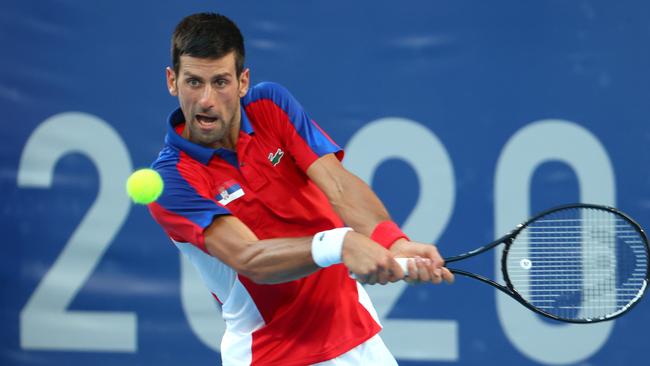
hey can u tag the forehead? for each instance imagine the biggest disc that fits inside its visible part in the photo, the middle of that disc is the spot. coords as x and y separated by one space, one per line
208 66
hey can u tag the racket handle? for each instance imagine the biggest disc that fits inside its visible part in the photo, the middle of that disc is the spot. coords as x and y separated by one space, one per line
403 262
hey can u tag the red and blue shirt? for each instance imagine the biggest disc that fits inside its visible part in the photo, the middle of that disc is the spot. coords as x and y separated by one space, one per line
264 184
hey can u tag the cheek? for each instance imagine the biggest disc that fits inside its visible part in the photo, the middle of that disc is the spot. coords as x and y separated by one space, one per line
229 100
186 106
185 99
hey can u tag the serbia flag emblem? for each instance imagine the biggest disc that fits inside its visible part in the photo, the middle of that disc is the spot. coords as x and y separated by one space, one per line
229 192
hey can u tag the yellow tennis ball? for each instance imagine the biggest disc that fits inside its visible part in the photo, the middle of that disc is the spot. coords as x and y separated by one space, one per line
144 186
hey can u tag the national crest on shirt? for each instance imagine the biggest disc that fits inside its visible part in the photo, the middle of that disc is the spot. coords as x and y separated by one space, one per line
229 192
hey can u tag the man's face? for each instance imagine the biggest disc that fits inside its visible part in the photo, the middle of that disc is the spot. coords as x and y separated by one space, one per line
208 92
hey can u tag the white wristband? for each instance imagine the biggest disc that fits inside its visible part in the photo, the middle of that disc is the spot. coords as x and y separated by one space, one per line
326 246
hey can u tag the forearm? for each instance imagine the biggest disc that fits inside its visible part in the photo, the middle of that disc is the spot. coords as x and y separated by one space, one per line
354 201
357 205
275 260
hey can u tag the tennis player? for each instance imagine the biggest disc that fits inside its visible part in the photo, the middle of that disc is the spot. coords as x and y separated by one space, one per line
257 199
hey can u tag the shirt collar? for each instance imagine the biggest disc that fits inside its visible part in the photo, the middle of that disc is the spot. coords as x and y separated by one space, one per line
246 125
197 152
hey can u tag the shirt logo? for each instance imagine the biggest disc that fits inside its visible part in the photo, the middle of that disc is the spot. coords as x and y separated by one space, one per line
275 158
229 192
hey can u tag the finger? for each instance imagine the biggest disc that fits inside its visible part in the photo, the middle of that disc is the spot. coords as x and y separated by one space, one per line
447 275
436 260
360 278
395 270
372 278
435 274
383 275
437 268
436 279
424 269
412 278
437 263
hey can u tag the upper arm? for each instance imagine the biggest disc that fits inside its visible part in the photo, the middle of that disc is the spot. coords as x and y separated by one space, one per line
185 208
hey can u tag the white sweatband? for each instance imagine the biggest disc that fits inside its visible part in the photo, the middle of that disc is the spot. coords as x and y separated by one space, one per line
326 246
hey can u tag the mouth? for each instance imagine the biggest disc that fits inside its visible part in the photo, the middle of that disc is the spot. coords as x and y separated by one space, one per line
206 122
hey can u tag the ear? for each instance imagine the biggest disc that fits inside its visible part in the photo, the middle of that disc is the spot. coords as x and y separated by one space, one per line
244 82
171 81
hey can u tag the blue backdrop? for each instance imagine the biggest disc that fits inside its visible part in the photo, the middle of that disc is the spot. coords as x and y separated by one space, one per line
465 116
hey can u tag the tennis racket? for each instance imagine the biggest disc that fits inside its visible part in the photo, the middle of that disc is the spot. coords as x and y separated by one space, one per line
578 263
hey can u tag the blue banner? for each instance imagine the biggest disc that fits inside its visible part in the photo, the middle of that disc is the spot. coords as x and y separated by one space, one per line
466 117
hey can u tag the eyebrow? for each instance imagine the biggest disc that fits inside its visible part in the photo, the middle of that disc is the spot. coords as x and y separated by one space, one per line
221 75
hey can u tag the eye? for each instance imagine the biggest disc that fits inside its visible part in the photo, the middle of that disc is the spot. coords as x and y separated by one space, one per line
221 82
193 83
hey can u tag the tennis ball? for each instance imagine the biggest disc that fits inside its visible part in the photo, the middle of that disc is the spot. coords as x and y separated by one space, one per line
144 186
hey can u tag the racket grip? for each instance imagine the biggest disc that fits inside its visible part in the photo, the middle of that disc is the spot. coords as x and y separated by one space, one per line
403 262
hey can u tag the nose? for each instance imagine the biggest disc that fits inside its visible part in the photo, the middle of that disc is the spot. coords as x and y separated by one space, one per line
206 101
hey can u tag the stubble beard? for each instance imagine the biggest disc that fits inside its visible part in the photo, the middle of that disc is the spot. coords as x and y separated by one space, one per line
211 139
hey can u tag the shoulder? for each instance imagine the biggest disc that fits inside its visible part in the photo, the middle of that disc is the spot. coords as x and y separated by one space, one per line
272 99
167 157
270 91
176 168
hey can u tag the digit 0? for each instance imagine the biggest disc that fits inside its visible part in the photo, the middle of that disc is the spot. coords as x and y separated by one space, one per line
523 153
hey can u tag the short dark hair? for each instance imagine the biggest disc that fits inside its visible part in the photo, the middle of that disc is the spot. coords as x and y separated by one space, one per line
207 35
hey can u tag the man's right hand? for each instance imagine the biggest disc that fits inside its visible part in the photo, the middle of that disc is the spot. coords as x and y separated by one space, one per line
369 262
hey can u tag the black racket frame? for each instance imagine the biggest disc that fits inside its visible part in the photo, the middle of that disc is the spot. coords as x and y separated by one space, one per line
508 239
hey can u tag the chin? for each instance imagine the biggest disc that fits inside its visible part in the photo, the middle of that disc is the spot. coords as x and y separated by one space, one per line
211 140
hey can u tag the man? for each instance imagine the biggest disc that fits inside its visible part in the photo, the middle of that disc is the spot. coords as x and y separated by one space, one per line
256 198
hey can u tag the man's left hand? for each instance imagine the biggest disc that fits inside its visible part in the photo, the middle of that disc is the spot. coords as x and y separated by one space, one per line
425 263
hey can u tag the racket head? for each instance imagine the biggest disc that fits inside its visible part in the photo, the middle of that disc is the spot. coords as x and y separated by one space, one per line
579 263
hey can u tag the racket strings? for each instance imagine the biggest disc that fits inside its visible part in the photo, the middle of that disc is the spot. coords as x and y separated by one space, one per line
579 263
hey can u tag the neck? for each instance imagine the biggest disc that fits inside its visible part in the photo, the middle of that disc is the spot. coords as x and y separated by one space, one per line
230 141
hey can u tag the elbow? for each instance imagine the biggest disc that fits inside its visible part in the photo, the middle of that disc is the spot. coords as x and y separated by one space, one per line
262 278
258 277
247 266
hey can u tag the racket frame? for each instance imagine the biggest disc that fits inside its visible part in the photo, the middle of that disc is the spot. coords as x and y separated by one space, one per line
508 239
